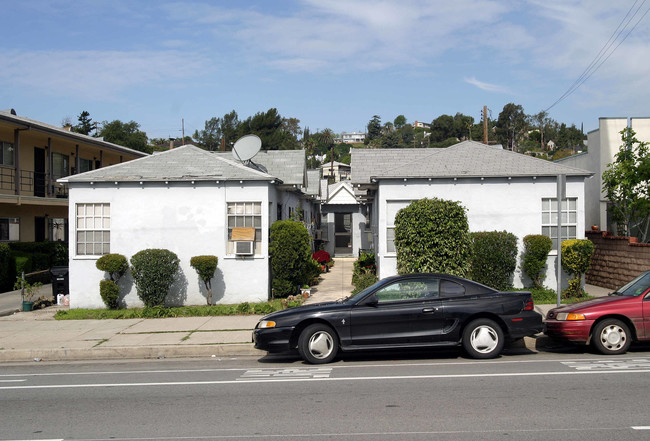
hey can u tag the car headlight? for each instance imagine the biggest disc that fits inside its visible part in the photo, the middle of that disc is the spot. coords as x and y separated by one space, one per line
266 324
570 316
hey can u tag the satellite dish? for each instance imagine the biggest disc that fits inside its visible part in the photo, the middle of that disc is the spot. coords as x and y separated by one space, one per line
246 147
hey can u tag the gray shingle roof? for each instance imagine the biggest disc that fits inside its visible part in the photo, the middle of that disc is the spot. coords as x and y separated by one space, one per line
186 163
10 116
288 165
465 159
313 182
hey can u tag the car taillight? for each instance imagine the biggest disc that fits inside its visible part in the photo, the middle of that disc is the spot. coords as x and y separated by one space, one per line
529 305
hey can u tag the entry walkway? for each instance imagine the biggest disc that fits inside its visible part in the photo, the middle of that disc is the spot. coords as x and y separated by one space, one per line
336 283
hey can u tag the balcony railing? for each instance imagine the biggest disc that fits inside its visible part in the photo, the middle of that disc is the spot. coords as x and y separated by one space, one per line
32 183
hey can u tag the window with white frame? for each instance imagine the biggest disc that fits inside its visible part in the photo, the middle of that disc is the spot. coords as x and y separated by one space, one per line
9 229
392 207
6 153
93 234
245 215
569 219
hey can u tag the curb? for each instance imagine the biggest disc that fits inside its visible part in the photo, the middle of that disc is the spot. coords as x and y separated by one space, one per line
535 343
143 352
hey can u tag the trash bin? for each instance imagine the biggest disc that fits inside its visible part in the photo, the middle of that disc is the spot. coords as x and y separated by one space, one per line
60 280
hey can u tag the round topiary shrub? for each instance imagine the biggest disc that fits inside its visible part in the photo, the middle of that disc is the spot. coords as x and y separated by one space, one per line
205 267
114 264
536 249
153 272
110 293
432 235
494 258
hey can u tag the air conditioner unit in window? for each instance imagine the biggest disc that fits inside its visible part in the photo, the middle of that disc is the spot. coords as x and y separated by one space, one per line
244 248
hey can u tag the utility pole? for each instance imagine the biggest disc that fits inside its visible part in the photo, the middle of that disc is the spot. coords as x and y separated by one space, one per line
485 137
183 129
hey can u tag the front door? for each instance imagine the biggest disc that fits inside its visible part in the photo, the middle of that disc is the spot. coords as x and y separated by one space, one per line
39 172
342 234
407 312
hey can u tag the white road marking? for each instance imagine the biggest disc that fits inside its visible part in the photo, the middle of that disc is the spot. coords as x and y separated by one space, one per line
288 380
13 381
334 367
318 372
641 363
641 427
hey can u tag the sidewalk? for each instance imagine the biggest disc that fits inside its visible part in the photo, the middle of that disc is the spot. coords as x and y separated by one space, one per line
35 335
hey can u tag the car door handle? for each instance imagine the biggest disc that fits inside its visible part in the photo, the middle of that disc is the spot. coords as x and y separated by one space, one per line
425 310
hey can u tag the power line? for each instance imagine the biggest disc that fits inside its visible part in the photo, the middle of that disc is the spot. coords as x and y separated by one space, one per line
600 58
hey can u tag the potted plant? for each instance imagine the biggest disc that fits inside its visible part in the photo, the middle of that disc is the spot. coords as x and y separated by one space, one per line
305 291
27 291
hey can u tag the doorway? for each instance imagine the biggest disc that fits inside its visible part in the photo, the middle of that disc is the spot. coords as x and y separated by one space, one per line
39 172
342 234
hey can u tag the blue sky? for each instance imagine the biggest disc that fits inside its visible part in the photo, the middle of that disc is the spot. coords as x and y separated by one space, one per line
329 63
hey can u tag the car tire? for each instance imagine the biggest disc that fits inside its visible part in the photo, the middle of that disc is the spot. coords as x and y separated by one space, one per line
318 344
483 338
611 337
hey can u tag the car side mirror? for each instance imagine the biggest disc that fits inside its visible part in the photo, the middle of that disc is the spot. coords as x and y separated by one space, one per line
371 300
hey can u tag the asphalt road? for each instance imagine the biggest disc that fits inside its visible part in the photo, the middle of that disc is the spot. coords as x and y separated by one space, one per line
519 396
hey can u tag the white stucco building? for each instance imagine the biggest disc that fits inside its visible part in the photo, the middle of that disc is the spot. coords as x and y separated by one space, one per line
603 144
189 201
500 189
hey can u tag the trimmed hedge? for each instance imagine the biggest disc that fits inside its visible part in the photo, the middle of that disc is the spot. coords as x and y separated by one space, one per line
154 271
494 258
432 235
536 249
576 259
291 259
110 293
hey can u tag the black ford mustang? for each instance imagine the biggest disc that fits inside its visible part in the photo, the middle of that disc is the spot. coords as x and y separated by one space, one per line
410 311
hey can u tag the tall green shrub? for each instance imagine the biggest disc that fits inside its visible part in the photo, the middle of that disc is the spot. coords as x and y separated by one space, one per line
290 256
576 259
115 265
154 271
205 267
494 258
536 249
432 235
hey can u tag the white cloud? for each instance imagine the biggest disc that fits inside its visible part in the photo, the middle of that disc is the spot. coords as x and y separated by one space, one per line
487 86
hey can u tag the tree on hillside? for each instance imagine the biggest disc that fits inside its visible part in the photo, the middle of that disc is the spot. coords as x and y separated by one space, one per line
218 130
511 126
626 184
85 125
210 137
442 128
125 134
399 122
374 129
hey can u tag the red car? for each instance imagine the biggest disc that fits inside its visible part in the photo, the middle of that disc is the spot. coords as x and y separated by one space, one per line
610 323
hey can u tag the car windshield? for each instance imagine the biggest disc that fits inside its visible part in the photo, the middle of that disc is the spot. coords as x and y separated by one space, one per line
636 287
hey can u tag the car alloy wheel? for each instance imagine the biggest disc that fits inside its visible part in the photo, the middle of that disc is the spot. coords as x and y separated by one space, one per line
318 344
483 338
612 337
